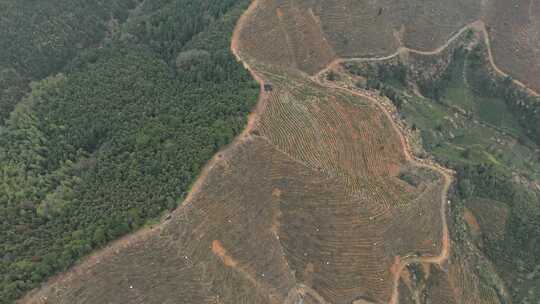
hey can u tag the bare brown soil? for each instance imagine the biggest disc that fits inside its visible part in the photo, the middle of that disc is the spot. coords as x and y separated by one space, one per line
471 221
478 26
514 29
400 264
218 250
313 33
308 35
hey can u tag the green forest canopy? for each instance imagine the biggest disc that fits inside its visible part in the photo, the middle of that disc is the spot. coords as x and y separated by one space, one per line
115 132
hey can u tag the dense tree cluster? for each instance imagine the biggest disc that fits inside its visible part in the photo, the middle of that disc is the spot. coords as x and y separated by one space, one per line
165 26
118 137
388 79
478 179
38 38
522 238
12 88
523 229
435 87
525 108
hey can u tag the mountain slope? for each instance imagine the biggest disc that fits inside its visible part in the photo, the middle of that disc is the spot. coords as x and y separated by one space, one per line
327 196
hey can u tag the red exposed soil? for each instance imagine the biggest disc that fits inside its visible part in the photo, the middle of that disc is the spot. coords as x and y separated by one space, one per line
219 251
471 221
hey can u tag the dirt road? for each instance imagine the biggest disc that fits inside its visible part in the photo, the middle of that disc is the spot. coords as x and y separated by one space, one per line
481 27
447 175
477 26
401 264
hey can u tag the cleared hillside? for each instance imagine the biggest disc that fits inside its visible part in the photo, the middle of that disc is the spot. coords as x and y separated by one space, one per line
308 34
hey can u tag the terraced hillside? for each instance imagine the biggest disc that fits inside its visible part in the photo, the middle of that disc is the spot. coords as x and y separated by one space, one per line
320 199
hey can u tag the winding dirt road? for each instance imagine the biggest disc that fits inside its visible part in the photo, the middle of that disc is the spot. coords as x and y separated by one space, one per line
447 175
478 26
401 264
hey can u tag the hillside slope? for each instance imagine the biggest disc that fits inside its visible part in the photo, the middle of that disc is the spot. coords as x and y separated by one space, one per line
322 198
310 34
